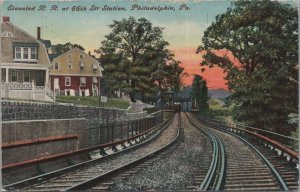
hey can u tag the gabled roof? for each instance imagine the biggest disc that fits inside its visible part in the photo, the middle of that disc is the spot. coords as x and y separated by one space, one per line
34 38
101 68
52 56
46 42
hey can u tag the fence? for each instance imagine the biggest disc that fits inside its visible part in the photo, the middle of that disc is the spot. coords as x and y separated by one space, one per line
152 109
115 131
287 141
26 91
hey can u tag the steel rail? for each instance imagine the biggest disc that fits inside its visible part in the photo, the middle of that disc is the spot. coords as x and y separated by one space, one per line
212 168
218 152
270 166
223 164
269 141
52 174
243 126
88 183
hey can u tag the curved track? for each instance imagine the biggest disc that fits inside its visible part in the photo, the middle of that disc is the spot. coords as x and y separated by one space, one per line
229 162
246 168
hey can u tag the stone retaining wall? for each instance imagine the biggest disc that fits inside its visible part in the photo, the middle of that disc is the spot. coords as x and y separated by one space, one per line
32 111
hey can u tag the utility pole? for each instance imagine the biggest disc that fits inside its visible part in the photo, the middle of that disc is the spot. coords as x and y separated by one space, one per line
162 105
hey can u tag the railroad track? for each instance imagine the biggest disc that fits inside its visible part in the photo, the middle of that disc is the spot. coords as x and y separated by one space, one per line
288 171
107 183
173 170
212 179
230 163
85 175
246 166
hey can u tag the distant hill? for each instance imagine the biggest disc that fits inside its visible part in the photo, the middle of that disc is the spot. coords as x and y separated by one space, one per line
218 93
212 93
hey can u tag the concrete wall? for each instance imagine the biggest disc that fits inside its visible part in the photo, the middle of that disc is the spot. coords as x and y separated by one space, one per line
19 131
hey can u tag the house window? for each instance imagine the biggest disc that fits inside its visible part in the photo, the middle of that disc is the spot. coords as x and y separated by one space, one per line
26 76
95 80
81 63
82 81
69 65
95 67
25 53
14 75
18 53
67 81
33 53
56 65
69 58
3 75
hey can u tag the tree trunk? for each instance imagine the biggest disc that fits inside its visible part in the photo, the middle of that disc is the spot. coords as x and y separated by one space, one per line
143 97
131 96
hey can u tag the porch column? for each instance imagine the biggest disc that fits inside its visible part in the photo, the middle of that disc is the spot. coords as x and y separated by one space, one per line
6 75
47 77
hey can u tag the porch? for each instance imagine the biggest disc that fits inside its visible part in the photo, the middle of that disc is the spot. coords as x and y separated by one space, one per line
39 77
28 84
26 91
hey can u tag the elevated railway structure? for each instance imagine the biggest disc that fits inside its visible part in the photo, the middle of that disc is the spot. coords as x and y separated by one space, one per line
253 162
234 159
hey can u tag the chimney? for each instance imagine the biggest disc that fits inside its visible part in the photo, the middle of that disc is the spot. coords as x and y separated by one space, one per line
38 33
5 19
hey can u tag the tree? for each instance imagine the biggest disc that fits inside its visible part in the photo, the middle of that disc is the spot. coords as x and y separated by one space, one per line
200 94
263 38
133 54
62 48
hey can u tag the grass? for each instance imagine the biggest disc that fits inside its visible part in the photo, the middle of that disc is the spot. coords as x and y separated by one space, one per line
218 111
93 101
25 100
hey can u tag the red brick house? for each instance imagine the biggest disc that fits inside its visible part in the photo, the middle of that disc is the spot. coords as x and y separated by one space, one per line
75 73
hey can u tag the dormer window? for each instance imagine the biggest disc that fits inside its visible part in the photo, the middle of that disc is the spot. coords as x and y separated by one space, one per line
18 53
25 53
33 53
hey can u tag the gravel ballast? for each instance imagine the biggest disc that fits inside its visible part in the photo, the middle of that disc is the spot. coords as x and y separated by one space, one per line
175 168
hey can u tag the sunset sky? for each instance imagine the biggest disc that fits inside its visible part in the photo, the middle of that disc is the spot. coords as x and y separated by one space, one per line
183 29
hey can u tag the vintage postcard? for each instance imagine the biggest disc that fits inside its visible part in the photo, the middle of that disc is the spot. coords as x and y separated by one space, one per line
143 95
